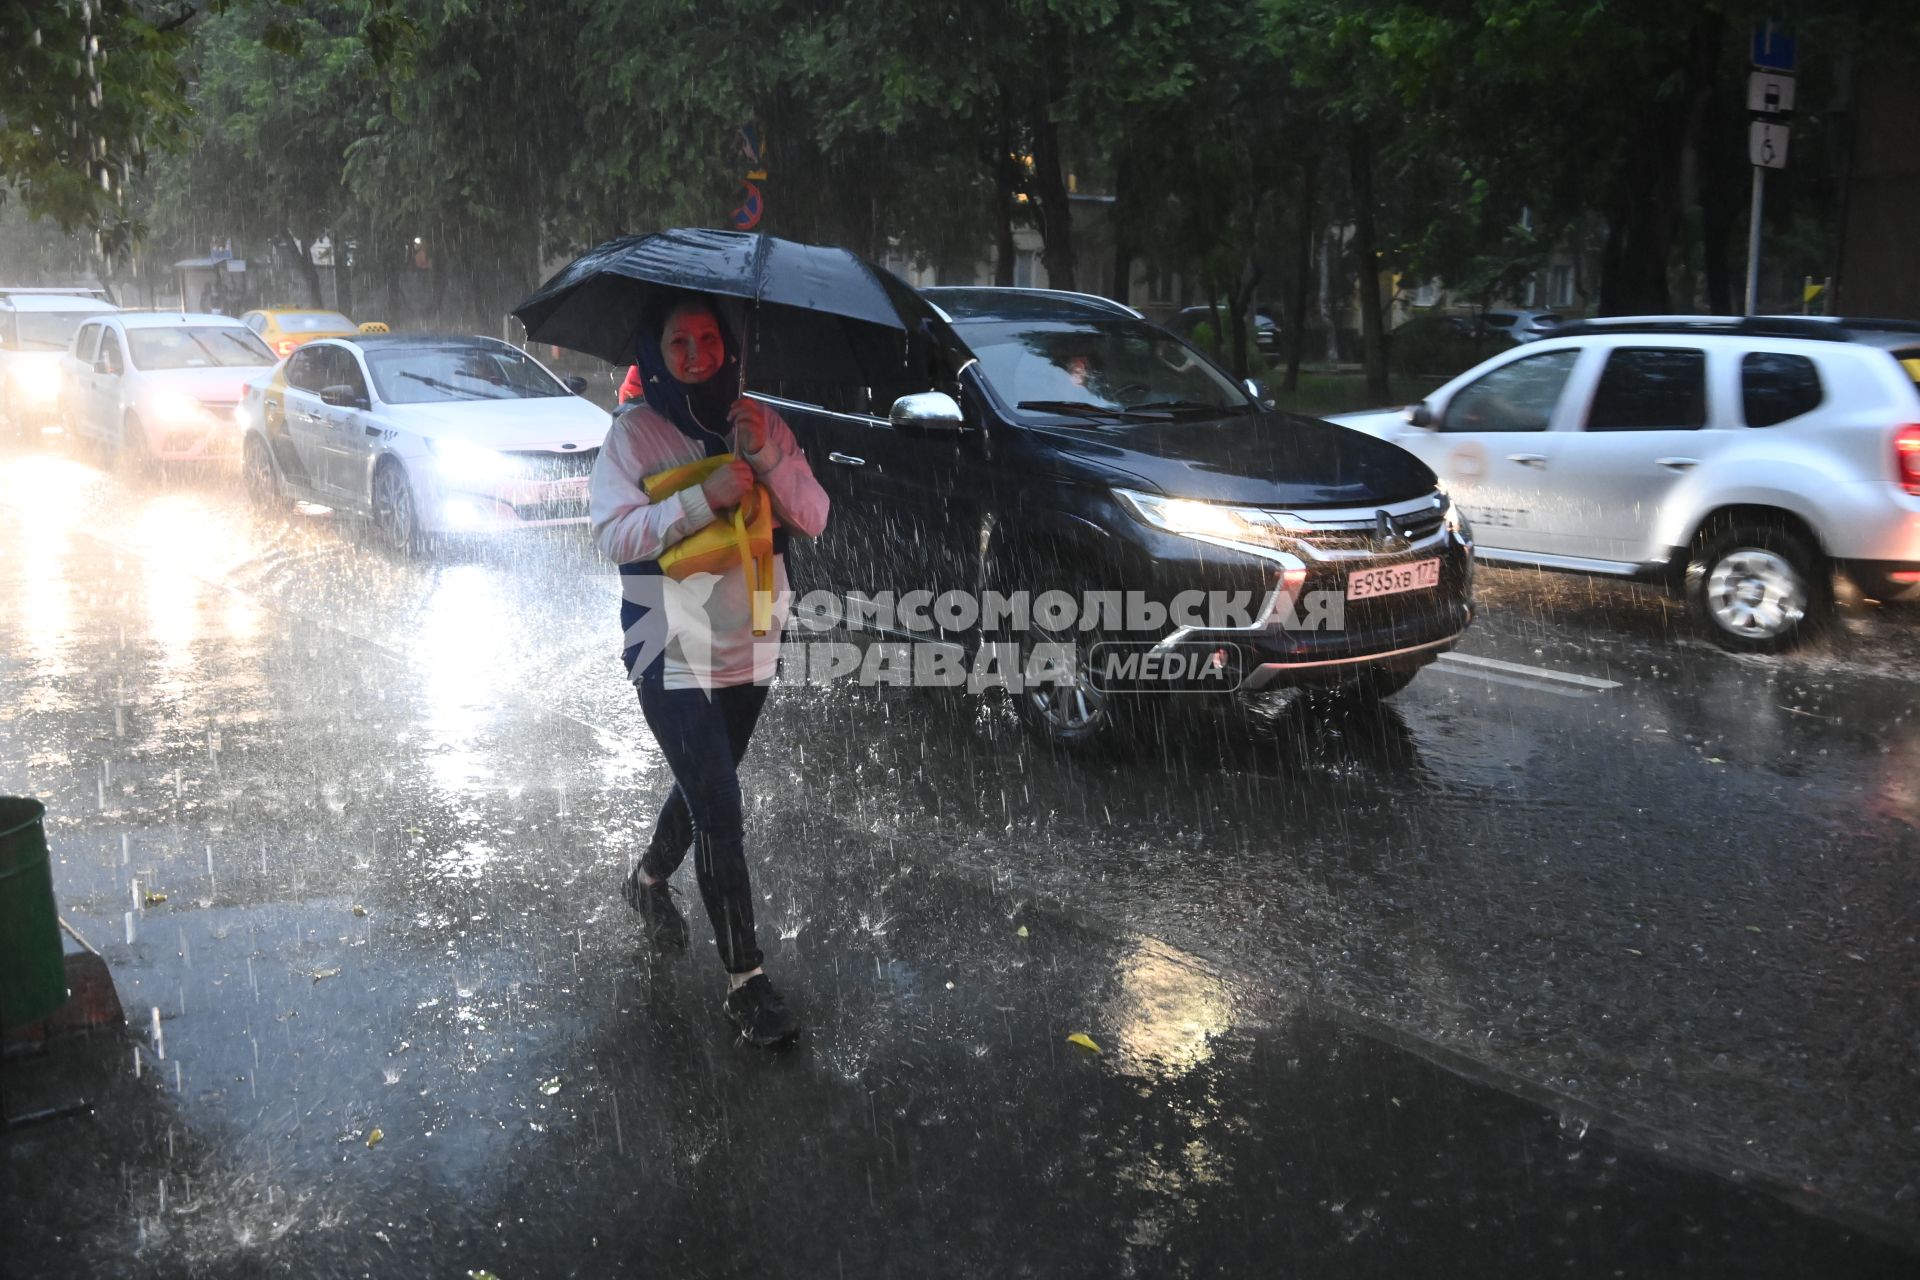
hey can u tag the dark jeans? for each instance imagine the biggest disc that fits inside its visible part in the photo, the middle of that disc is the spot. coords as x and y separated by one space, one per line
703 736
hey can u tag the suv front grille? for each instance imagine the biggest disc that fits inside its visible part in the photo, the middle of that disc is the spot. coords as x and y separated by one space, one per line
1356 533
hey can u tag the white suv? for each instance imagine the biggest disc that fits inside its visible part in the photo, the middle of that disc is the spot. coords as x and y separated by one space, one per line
1738 461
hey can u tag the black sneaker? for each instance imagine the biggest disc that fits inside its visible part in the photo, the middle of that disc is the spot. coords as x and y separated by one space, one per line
762 1016
666 927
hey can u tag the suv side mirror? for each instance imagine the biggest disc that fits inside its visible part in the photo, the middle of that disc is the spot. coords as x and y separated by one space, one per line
575 384
342 396
1418 415
1258 390
927 413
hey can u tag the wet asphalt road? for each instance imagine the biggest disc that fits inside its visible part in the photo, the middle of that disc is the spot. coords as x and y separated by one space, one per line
1520 973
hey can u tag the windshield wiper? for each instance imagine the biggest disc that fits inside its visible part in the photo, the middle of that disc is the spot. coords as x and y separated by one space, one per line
448 386
1074 408
1177 406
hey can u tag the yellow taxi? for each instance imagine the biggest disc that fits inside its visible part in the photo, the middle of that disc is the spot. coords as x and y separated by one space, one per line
285 330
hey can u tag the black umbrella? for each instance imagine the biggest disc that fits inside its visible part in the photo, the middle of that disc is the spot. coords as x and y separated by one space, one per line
806 311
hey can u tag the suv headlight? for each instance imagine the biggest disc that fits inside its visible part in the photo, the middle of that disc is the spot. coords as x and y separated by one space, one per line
1253 529
1458 524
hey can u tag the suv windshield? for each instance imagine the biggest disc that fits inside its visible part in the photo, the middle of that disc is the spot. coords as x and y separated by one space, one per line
1110 366
196 347
419 375
42 330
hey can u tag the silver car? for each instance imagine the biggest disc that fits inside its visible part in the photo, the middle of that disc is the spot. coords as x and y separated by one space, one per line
423 434
1740 462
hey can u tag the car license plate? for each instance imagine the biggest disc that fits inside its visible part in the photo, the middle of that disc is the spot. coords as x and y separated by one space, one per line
1394 579
573 489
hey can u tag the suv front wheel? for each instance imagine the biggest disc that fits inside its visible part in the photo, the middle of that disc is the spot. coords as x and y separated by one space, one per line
1758 588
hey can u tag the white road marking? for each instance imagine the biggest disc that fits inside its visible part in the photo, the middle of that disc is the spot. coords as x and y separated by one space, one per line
1493 669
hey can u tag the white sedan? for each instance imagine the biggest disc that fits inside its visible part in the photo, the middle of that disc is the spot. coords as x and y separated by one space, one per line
424 435
159 386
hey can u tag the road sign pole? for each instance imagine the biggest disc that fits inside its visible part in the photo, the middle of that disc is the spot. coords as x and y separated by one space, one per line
1753 239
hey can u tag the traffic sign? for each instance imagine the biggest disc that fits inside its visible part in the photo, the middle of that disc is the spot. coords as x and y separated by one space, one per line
748 148
1773 48
1770 93
1767 144
747 214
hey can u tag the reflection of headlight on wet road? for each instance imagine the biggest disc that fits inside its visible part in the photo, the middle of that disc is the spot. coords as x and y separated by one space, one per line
469 466
464 513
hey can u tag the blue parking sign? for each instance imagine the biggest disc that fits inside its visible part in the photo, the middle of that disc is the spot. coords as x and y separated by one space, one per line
1773 49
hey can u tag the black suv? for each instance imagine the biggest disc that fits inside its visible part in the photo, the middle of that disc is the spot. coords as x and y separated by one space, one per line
1073 447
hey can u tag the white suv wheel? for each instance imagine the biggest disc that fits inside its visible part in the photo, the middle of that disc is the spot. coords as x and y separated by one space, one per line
1758 587
1756 594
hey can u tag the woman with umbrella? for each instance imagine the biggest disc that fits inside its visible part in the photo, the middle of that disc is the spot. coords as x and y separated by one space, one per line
701 706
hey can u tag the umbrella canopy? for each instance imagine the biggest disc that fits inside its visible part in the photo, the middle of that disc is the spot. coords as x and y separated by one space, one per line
805 311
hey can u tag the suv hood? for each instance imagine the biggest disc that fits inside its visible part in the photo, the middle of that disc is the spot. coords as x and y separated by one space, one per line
1267 460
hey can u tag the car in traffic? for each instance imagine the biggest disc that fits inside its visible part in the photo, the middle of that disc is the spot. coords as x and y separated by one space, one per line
159 386
35 329
1739 462
1521 326
284 330
95 292
1071 446
424 435
1265 325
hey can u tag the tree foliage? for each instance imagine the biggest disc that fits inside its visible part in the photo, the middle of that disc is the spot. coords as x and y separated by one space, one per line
1458 140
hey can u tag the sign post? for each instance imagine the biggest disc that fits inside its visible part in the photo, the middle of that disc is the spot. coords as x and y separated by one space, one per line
1770 102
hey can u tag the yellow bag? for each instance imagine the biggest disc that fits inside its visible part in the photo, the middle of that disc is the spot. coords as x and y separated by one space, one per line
746 539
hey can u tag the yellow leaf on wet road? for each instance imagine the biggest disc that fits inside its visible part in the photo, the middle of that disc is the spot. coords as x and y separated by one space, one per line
373 1139
1084 1040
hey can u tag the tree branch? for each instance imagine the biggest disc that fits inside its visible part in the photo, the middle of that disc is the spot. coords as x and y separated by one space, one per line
179 20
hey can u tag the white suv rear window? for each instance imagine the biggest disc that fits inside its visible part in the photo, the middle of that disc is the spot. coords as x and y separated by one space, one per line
1775 386
1651 389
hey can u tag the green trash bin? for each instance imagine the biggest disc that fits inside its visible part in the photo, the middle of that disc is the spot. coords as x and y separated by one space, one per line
33 971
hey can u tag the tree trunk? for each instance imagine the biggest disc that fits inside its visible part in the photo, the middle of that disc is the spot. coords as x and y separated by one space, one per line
1005 183
1327 312
1299 287
342 274
1372 324
1238 310
1212 287
309 274
1648 194
1056 217
1123 196
1721 135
